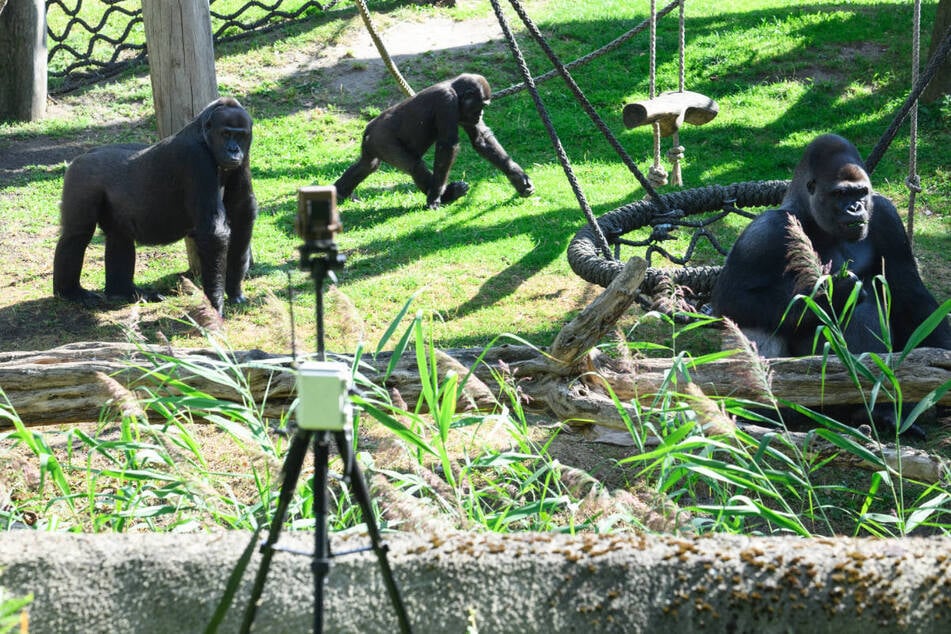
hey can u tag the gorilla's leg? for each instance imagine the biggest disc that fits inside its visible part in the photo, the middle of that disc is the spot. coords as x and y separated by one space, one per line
68 264
78 214
120 269
356 174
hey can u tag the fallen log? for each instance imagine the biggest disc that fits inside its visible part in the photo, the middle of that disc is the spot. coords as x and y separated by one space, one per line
65 384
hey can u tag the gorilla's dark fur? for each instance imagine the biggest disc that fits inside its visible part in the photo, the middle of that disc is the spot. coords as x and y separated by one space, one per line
401 135
848 224
195 183
850 227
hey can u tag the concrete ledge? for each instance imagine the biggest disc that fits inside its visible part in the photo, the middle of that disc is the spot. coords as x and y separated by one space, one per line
521 583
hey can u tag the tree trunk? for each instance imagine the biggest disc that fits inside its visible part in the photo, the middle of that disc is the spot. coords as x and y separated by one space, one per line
941 84
23 60
182 67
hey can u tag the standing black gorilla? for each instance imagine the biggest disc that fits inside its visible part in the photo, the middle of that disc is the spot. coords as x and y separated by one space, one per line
401 135
194 183
849 225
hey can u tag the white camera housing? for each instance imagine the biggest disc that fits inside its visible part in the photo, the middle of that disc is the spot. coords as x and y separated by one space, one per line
323 389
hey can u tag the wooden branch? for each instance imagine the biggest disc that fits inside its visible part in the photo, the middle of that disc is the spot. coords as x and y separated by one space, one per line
585 331
911 462
63 385
670 110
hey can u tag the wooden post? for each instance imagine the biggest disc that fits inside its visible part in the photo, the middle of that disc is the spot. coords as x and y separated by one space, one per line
182 67
23 60
181 60
941 84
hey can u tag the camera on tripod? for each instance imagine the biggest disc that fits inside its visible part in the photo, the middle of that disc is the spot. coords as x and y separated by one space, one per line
323 387
317 220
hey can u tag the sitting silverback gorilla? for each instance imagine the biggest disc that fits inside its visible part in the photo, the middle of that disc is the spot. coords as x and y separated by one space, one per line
849 226
401 135
194 183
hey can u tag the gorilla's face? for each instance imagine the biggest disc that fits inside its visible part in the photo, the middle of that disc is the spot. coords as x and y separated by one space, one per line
841 203
228 135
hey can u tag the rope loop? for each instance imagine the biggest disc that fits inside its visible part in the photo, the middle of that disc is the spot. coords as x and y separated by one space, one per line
676 153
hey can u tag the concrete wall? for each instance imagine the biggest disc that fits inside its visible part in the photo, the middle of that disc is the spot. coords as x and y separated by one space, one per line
522 583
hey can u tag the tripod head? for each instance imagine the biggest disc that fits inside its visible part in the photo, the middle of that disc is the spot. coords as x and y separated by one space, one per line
317 223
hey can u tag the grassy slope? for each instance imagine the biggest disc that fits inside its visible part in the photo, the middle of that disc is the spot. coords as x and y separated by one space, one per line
493 262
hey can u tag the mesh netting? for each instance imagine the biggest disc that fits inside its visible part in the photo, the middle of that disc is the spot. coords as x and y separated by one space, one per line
95 40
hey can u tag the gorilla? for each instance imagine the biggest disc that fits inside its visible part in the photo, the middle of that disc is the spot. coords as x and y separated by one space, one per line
195 183
401 135
851 228
854 232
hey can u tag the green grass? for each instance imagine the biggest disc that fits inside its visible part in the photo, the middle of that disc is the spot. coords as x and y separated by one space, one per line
494 262
489 264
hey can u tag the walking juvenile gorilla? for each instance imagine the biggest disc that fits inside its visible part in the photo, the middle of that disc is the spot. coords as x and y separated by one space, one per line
194 183
851 228
401 135
848 225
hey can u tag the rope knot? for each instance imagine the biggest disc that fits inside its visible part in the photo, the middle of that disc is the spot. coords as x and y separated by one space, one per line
676 153
657 175
913 183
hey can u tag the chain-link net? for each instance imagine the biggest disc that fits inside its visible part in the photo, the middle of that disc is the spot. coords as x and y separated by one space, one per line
93 40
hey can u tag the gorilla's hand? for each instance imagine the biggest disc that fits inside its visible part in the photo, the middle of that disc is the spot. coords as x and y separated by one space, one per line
522 184
454 191
843 284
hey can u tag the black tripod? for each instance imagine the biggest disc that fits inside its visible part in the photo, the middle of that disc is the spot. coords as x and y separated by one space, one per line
319 257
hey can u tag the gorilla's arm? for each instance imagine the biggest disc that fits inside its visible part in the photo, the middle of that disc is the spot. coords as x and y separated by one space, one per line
444 105
241 206
912 303
488 147
747 290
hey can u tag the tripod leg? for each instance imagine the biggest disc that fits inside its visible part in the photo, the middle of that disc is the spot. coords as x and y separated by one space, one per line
321 560
360 491
291 469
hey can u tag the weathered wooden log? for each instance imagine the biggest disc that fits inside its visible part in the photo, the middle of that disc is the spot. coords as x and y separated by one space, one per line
670 110
585 331
62 385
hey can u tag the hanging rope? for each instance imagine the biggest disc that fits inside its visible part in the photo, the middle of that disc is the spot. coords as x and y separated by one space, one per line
381 49
607 48
549 126
676 151
581 98
656 174
940 54
913 182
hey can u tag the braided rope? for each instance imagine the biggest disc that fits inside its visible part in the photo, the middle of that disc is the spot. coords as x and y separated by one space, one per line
657 174
549 126
381 49
593 55
940 54
584 254
676 153
582 99
913 181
